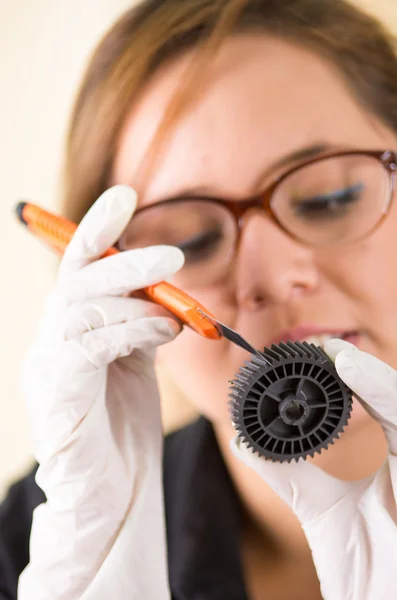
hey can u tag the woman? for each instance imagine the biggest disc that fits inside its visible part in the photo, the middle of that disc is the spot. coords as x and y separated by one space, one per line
198 105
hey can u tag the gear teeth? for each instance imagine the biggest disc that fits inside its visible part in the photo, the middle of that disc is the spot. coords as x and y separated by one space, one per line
235 386
272 355
242 378
251 366
289 347
233 408
234 412
316 351
257 362
247 372
235 392
298 348
323 354
306 349
280 351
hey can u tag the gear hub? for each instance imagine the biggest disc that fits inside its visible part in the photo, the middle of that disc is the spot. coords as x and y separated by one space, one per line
289 402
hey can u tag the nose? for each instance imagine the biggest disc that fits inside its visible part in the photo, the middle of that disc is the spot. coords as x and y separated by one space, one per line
271 267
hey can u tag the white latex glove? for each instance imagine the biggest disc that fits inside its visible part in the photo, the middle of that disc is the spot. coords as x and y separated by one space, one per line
351 528
94 407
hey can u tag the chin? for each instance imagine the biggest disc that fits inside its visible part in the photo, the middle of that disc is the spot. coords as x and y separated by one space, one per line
359 452
359 417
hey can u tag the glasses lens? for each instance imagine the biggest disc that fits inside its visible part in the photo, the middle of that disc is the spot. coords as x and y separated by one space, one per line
333 201
204 230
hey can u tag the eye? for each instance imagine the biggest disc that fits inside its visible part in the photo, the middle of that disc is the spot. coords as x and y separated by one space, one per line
201 246
331 205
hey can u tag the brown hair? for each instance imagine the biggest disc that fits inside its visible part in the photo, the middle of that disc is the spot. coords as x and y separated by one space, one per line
149 34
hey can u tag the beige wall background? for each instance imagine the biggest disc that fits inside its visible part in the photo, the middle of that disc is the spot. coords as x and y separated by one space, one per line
44 46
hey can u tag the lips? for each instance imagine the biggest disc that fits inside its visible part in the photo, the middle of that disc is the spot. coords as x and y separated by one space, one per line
315 335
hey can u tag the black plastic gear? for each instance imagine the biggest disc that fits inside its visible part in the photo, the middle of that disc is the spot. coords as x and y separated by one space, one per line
289 402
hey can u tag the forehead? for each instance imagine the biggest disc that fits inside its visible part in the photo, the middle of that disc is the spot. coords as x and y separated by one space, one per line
262 99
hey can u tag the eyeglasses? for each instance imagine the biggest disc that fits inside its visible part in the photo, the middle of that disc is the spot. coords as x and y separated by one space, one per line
332 200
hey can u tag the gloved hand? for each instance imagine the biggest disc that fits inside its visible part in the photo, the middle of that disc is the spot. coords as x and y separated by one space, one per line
351 528
94 407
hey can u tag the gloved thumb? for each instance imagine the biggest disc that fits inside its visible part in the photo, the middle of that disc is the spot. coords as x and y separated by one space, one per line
373 382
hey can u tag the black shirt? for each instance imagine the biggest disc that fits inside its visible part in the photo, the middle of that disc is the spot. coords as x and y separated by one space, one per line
202 517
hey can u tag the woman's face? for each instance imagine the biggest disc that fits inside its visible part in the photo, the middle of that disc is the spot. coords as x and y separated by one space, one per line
266 100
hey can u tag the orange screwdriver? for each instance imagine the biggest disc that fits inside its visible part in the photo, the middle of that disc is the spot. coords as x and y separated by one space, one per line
57 231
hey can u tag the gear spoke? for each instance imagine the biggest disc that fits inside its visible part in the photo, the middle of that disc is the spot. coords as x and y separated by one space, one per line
300 386
272 396
273 422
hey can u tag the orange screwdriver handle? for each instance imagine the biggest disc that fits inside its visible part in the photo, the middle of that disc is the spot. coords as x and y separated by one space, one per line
189 311
58 231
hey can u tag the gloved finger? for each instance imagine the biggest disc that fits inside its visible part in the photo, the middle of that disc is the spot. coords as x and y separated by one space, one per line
100 228
97 313
101 347
125 272
372 381
306 489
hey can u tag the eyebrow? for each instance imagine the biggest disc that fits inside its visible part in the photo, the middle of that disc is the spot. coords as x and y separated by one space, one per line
294 157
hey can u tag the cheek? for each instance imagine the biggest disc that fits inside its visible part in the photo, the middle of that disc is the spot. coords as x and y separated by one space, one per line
367 277
373 272
201 369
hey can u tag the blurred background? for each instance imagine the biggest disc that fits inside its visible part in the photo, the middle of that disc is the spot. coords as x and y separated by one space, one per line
44 47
